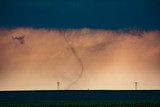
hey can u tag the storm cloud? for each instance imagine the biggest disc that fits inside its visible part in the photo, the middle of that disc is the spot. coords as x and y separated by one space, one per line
109 59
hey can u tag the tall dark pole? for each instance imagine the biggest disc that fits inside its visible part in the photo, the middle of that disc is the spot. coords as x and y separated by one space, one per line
136 85
58 85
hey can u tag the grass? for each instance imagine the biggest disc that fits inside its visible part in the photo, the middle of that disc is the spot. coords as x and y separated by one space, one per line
86 104
79 98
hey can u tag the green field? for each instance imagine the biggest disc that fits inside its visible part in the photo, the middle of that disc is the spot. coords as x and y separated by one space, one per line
85 104
79 98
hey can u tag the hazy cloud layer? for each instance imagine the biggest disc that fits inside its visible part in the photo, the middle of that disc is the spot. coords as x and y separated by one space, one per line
111 59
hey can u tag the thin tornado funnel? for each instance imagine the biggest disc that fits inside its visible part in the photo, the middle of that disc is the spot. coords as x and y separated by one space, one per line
79 60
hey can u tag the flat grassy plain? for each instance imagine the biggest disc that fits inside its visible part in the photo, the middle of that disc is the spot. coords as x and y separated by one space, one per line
80 98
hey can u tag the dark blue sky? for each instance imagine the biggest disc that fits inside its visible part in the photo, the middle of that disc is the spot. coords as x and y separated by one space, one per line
105 14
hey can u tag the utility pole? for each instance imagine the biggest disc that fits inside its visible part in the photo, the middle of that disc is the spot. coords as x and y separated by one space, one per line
136 85
58 85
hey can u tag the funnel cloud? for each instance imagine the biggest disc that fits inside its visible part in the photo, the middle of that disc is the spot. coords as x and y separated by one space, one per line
79 60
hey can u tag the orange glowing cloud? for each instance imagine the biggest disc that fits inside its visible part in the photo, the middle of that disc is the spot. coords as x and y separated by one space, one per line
79 59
